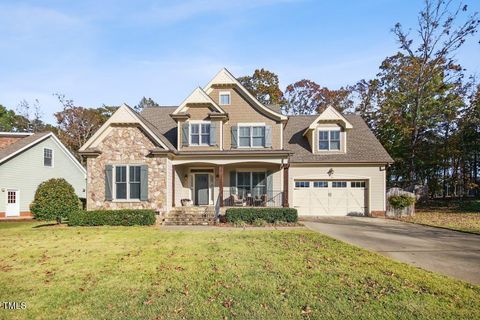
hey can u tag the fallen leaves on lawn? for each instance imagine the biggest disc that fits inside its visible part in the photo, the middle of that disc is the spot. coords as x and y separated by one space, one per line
228 303
306 310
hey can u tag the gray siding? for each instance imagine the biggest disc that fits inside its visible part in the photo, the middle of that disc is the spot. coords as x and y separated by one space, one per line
26 171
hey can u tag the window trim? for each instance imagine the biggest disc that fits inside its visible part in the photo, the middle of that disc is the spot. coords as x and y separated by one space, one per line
340 181
298 184
224 93
114 182
329 130
353 184
52 157
199 123
318 182
251 126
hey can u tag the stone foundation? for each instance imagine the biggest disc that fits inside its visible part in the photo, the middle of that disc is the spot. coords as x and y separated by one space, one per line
127 145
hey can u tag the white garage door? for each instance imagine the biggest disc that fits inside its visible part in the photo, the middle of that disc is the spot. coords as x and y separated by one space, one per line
336 198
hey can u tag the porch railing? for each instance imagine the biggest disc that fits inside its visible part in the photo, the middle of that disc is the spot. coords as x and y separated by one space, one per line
233 197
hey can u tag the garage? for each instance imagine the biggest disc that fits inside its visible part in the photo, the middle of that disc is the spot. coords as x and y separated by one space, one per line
327 197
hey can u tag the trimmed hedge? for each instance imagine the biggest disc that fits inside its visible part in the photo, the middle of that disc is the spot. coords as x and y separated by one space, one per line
54 199
125 217
270 215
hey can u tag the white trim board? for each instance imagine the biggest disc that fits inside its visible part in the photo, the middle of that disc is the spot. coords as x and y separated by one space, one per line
57 141
198 96
124 114
225 77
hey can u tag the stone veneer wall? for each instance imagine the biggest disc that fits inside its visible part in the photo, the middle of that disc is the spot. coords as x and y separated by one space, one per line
127 145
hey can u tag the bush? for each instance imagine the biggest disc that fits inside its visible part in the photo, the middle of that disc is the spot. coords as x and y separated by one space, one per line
259 223
471 206
270 215
401 201
125 217
54 199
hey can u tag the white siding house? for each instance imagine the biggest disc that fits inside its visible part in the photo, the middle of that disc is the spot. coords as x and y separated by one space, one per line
29 161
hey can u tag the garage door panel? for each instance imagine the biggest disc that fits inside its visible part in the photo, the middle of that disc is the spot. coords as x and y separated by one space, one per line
345 198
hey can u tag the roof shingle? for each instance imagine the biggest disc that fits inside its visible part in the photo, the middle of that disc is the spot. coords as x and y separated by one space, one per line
362 145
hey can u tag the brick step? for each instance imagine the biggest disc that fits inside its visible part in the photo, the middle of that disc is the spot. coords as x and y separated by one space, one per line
186 220
167 223
191 215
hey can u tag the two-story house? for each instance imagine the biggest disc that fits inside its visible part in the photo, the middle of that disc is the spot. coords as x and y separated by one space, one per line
221 147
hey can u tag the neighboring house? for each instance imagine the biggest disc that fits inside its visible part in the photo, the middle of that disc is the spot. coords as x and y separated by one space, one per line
221 147
26 160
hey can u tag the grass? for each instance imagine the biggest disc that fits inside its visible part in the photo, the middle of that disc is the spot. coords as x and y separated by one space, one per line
461 216
147 273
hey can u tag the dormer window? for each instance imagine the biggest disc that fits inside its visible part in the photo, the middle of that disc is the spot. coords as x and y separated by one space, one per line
200 134
329 140
224 98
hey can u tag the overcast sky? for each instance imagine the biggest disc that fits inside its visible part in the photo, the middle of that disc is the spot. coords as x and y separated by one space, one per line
110 52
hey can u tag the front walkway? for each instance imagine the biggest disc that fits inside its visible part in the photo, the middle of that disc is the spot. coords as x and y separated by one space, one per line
448 252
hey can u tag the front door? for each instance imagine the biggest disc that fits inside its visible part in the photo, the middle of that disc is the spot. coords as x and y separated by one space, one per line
13 203
201 189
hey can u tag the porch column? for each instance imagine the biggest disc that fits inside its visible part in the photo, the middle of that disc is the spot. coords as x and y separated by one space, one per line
220 184
285 185
174 174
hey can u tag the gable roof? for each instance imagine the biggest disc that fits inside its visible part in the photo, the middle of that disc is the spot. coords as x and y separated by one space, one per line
160 118
31 140
362 145
125 114
330 113
198 96
225 77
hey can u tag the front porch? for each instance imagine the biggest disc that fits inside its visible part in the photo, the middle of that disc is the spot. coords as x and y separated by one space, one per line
244 184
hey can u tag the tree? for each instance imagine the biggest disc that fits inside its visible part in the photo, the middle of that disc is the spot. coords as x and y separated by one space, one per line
145 103
77 124
264 86
416 99
8 120
30 117
308 97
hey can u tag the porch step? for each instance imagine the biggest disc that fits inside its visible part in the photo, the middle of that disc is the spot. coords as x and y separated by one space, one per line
190 216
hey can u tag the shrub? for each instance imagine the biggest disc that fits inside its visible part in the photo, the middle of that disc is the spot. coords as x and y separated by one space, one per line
270 215
401 201
125 217
54 199
259 223
471 206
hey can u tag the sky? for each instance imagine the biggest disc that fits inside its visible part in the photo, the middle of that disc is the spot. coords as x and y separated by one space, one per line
113 51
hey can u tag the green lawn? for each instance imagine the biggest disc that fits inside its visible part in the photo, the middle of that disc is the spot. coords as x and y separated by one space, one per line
143 272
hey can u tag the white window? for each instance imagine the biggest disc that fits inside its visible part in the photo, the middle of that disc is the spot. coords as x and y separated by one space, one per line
127 182
200 134
320 184
224 98
251 136
339 184
328 140
47 157
302 184
357 184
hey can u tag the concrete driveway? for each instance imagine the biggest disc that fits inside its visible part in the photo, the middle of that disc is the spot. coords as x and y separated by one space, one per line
448 252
